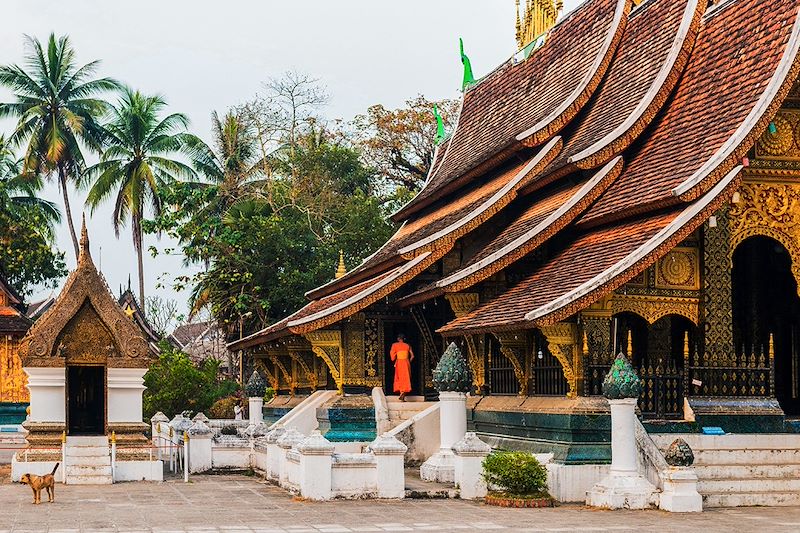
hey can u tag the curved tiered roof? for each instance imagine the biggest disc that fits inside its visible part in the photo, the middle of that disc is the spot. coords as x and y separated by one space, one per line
653 112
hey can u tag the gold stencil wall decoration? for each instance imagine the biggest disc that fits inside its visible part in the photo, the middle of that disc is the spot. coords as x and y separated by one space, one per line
768 210
717 300
679 269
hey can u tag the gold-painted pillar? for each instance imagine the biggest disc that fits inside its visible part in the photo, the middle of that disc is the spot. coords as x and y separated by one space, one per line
298 349
563 343
514 345
462 303
327 345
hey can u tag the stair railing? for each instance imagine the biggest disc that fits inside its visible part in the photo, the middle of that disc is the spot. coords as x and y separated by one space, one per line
651 460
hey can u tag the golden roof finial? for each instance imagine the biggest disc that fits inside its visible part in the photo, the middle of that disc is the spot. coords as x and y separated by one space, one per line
84 242
539 16
341 270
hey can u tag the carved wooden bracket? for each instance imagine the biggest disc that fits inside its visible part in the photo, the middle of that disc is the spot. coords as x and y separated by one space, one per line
514 345
562 341
271 378
652 308
476 363
462 302
327 345
279 366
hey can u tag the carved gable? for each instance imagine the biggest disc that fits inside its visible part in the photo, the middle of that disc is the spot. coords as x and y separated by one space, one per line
85 325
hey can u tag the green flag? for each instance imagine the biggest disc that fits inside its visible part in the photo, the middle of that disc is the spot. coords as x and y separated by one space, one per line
440 133
469 78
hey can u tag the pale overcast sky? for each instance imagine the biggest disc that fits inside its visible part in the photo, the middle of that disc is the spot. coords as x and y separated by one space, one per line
205 55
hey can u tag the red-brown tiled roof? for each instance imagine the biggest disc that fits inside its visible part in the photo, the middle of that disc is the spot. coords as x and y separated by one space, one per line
526 103
547 213
742 67
648 63
591 264
439 227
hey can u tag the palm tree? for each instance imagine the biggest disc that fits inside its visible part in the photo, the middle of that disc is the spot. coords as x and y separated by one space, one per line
57 110
137 162
232 166
18 192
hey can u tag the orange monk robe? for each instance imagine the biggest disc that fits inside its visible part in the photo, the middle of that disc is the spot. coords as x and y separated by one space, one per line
401 355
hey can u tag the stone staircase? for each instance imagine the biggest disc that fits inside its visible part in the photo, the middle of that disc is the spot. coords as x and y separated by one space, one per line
88 461
746 469
401 411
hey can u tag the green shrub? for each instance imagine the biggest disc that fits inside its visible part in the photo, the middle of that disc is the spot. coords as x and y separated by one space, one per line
269 394
223 408
175 384
518 473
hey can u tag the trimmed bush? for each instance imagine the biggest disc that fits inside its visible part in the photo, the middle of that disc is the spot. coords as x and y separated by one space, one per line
222 408
517 473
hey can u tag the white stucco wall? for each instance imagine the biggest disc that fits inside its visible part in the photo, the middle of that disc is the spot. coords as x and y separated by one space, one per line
125 388
48 392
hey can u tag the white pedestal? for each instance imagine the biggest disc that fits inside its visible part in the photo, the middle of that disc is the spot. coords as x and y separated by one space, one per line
48 390
440 467
255 409
200 447
680 491
389 458
315 467
469 455
624 487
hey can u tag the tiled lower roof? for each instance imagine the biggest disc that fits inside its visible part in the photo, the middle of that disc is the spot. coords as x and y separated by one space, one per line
14 323
742 67
591 264
548 213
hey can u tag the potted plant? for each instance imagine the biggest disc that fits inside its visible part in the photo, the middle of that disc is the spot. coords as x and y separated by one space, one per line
520 478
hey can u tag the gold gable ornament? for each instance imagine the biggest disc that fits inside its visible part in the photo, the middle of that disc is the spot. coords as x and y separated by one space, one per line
537 17
85 325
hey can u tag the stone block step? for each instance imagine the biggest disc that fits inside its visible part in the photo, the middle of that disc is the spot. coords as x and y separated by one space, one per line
748 499
89 480
101 440
87 451
762 441
88 461
753 471
743 485
75 470
746 457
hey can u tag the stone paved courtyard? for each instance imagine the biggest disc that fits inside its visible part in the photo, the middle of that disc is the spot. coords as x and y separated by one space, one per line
240 504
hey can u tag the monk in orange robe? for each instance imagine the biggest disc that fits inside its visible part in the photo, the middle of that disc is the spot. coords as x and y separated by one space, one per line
402 355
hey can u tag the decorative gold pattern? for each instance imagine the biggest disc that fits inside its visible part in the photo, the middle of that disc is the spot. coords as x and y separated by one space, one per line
717 299
462 302
562 341
537 18
679 269
477 364
514 346
373 345
770 210
783 144
651 308
327 345
45 346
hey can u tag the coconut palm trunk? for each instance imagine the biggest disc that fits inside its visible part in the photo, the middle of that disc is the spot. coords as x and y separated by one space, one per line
62 182
136 224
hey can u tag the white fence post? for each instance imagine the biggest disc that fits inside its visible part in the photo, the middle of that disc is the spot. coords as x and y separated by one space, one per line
274 453
315 467
186 457
113 456
63 457
470 453
389 458
286 442
200 447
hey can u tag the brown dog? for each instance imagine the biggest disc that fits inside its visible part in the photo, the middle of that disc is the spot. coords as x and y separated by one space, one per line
37 483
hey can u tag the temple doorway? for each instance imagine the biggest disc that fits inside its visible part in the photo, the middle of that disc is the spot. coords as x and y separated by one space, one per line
390 332
86 400
765 302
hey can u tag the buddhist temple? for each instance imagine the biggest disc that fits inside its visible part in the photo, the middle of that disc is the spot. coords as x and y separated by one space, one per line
630 184
13 326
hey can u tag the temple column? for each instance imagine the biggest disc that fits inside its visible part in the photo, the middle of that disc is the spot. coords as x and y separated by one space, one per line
562 341
717 294
327 345
462 303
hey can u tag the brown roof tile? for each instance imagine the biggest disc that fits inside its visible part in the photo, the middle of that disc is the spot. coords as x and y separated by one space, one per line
742 66
651 56
526 103
591 264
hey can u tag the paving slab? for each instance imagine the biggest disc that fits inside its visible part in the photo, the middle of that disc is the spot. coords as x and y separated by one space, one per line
241 504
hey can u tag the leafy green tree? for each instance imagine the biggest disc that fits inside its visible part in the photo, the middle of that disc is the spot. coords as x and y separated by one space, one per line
27 257
57 110
175 384
137 163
